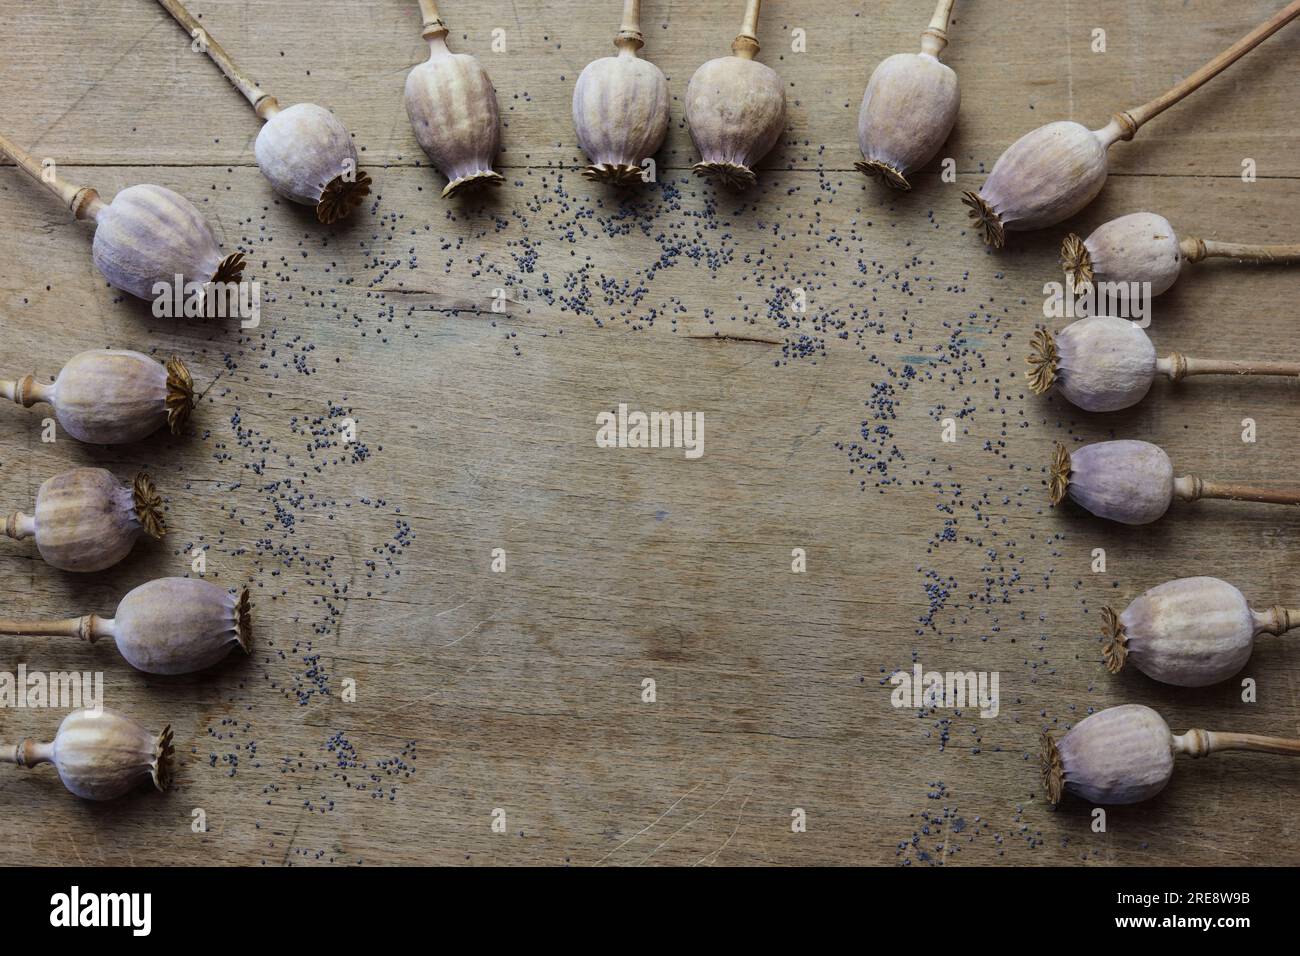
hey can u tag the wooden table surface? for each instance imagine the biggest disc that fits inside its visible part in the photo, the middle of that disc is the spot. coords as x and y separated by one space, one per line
518 696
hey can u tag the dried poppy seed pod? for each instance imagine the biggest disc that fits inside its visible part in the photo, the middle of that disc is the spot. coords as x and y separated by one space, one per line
1133 482
735 107
1118 755
1103 364
303 150
1045 177
909 107
1125 754
1191 632
1143 248
146 235
1050 174
84 520
453 110
167 626
101 754
620 107
1099 363
113 396
1139 247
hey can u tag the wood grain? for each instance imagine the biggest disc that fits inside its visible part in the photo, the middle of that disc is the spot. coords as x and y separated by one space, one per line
522 691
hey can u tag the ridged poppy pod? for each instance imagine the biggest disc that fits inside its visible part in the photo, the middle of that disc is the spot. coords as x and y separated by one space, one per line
303 150
909 107
112 396
620 107
735 108
1139 247
1191 632
85 520
1133 482
1143 248
1045 177
1103 363
145 236
167 626
1100 363
1051 173
1118 755
101 755
453 110
1125 754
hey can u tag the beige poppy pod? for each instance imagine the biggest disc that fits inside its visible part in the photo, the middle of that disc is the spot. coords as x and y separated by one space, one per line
101 755
620 107
85 520
1050 174
167 626
1103 363
149 235
1118 755
145 236
1100 364
303 150
112 396
909 107
1192 632
735 108
1044 177
1125 754
1133 482
1142 247
453 110
310 158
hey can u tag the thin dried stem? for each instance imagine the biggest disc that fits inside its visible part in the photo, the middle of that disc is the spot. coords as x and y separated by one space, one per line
745 45
1202 743
89 628
1134 119
1277 619
629 38
83 201
26 391
1196 250
27 753
19 526
935 37
263 103
1178 366
433 28
1194 488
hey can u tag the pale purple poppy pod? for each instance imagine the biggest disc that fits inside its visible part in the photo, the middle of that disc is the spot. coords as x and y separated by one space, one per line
1100 364
1116 756
1131 482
